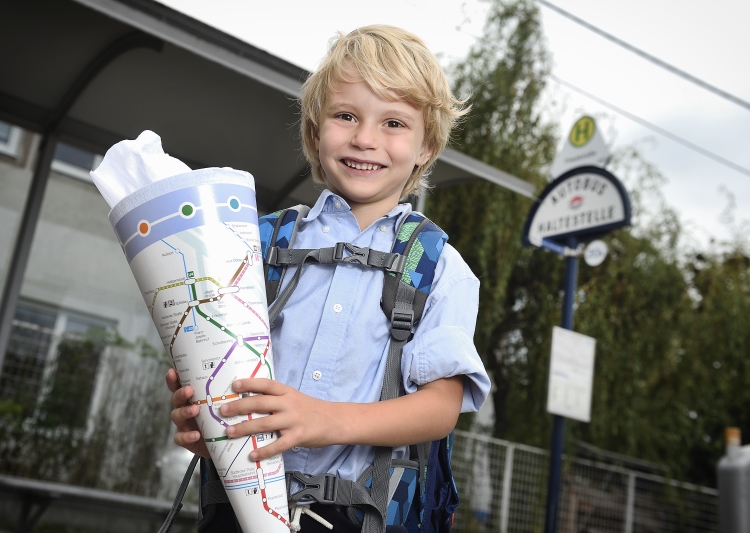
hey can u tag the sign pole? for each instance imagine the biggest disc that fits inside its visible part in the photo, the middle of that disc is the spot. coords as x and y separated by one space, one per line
558 429
582 204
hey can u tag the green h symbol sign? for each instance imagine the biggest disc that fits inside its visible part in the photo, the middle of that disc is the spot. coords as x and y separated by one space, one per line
582 131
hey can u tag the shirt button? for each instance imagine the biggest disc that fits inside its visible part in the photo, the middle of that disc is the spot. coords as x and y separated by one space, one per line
383 228
317 375
295 449
337 308
326 229
337 204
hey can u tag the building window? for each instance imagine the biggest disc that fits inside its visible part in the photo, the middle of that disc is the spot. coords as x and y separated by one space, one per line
75 162
28 350
10 137
49 371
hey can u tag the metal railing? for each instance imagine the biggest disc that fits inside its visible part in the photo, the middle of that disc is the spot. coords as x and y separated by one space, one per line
64 505
502 486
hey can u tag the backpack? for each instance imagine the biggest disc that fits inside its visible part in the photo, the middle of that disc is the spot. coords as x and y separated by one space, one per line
423 495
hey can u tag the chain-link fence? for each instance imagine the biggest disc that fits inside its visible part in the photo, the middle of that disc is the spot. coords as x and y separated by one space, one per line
88 410
25 364
503 488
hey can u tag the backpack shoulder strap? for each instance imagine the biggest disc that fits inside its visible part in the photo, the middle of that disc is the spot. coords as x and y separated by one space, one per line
405 293
420 241
278 229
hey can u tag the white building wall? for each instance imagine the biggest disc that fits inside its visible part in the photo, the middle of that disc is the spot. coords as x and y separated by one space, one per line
76 263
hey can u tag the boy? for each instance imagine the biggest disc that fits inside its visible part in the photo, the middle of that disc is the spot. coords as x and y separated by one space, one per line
375 117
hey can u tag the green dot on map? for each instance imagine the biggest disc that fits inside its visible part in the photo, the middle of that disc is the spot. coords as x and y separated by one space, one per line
187 210
234 203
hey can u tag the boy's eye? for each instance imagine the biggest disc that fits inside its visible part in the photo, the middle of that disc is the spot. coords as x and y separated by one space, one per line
394 124
345 116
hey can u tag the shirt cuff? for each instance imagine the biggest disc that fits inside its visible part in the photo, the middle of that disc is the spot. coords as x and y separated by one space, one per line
444 352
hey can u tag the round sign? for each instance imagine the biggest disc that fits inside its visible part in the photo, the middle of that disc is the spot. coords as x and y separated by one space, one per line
595 253
585 203
582 131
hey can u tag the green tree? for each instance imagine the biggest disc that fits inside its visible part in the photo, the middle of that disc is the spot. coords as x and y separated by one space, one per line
503 78
73 384
672 330
713 356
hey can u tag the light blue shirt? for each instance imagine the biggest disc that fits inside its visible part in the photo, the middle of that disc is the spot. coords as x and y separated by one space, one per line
331 339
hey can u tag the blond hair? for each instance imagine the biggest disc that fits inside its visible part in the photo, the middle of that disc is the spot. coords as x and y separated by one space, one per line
389 60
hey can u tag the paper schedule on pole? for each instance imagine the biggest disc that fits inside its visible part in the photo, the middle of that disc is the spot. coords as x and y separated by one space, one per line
571 375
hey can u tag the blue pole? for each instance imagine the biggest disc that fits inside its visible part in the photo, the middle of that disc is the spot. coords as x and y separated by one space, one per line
558 428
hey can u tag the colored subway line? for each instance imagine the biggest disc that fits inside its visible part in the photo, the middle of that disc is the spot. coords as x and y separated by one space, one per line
180 284
209 400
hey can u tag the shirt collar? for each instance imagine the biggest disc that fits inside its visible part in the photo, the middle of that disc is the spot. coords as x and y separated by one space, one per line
327 203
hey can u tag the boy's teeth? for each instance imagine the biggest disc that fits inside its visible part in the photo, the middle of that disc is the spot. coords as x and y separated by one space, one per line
361 166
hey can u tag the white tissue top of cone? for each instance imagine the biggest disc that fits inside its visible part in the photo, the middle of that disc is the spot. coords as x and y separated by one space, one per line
133 164
141 166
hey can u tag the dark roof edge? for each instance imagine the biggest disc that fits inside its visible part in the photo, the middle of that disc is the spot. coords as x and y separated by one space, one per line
217 37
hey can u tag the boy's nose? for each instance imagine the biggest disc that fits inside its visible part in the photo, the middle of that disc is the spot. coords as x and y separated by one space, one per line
365 138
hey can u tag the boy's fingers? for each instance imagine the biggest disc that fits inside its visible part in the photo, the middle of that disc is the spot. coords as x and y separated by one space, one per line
264 424
181 396
186 438
182 414
239 430
259 385
252 404
272 449
173 381
191 441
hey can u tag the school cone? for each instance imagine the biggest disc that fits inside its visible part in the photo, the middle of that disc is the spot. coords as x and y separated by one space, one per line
193 246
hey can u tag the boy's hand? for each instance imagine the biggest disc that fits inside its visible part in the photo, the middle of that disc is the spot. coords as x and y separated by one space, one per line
183 416
301 419
428 414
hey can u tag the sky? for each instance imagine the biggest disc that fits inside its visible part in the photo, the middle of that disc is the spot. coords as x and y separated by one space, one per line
708 40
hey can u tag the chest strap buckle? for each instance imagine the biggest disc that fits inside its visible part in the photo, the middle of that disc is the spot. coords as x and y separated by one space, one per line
321 488
390 262
359 255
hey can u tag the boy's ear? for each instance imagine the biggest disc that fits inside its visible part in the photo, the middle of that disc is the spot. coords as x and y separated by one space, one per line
424 155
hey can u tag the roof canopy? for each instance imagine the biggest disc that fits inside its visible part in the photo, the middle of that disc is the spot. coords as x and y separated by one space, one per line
101 71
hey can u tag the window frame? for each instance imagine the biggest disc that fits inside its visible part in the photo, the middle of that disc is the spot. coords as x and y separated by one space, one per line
58 333
12 147
73 171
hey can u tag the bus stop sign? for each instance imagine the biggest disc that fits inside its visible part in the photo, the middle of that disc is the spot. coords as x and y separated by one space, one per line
585 203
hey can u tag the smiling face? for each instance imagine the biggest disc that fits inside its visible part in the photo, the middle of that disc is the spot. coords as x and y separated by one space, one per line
368 148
